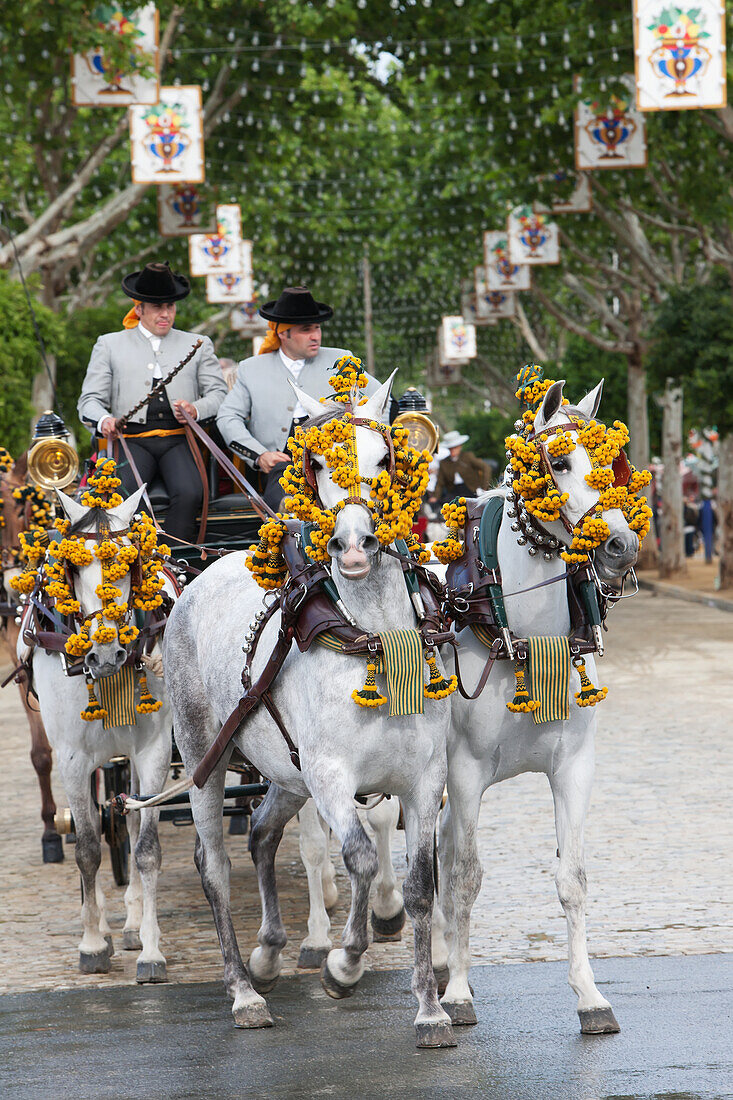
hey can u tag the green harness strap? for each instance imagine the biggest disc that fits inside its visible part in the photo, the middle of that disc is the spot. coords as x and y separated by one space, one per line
488 537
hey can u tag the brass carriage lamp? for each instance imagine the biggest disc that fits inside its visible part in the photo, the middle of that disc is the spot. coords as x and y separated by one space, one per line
423 433
52 461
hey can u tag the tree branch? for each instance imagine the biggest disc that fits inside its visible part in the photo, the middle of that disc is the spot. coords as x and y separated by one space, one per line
623 347
521 322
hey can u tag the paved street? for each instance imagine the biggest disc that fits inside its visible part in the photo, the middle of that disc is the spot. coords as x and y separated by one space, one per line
659 835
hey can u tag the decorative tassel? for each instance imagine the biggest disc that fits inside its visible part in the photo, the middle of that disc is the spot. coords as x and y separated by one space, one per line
521 703
588 695
369 695
438 687
147 704
93 709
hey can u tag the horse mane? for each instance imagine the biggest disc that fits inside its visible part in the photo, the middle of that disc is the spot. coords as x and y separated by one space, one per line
99 519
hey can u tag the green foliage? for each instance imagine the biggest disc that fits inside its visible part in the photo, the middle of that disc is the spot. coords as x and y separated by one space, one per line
20 360
693 344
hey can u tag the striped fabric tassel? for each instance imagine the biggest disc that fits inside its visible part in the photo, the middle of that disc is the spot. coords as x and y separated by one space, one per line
403 664
549 674
118 698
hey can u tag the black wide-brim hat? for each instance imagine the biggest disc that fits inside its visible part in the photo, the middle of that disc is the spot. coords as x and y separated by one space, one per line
156 283
296 306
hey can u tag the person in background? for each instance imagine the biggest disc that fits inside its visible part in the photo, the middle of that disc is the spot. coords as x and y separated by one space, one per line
462 473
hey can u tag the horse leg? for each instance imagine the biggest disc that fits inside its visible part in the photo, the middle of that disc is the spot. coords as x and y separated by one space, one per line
212 861
571 788
420 807
443 909
344 966
388 910
151 766
268 821
133 893
463 882
328 873
94 953
314 854
42 760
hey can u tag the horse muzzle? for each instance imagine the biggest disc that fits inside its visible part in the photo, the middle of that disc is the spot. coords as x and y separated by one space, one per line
104 661
616 555
354 560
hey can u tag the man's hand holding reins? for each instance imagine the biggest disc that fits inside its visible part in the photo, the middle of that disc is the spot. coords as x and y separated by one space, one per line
269 459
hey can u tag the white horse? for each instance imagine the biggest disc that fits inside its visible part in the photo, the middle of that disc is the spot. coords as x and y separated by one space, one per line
344 750
82 746
488 743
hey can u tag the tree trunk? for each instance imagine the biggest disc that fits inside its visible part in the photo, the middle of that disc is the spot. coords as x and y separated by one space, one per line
638 416
672 556
725 511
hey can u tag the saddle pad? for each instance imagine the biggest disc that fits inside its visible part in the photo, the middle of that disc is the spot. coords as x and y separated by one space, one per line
549 677
117 696
403 665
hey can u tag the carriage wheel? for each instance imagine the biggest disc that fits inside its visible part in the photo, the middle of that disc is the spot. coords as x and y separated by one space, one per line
116 780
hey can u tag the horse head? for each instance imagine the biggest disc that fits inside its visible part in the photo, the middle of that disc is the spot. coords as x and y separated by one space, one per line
346 490
96 527
566 436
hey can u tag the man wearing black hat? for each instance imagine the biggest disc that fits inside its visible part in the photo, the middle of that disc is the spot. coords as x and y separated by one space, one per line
259 412
122 369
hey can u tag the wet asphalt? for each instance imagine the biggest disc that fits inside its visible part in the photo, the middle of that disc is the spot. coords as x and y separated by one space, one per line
171 1042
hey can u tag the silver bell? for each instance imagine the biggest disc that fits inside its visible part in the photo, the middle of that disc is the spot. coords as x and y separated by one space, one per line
532 551
182 579
512 513
17 620
510 496
23 598
249 637
547 556
509 455
246 648
518 425
522 540
137 517
516 527
259 616
541 539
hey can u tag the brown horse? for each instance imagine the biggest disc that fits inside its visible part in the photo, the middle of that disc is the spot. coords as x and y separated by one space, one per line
17 518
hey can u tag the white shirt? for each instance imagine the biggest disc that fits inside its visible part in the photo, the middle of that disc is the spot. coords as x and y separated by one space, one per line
295 366
154 365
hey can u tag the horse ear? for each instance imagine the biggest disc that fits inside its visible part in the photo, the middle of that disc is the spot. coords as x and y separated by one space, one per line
377 405
589 405
312 405
124 512
550 405
72 509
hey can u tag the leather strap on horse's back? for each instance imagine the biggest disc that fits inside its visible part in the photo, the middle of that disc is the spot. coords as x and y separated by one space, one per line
193 447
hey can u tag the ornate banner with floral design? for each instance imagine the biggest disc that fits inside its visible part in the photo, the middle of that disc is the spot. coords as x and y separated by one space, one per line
679 51
533 238
167 138
578 201
94 82
245 317
610 133
222 252
501 272
183 209
231 287
492 305
468 301
456 341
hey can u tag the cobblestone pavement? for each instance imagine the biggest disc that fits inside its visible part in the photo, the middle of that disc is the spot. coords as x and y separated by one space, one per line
659 835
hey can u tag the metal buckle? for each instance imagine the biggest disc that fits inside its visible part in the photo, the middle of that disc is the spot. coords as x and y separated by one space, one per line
299 599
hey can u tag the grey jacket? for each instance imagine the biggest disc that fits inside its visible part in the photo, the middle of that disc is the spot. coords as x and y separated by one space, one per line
120 373
256 414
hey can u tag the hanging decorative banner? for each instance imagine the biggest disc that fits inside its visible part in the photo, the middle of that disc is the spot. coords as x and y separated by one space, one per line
610 134
679 53
491 305
533 238
501 273
456 341
230 287
95 83
167 139
222 252
183 209
468 301
246 320
579 201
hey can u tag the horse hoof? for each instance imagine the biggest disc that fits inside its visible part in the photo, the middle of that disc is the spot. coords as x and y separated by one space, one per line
262 986
333 986
435 1035
95 963
110 945
131 940
256 1015
442 977
598 1021
238 825
462 1013
152 972
388 929
312 958
53 848
71 838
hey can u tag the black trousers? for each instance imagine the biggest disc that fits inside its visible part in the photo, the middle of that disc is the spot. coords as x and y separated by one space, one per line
273 492
170 457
